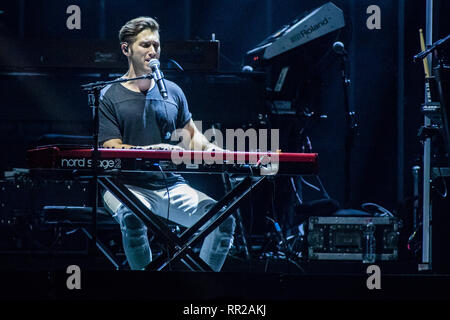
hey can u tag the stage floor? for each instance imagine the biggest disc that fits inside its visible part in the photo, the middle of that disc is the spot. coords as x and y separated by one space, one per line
258 281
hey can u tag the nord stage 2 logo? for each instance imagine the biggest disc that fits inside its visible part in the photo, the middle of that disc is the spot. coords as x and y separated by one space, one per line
83 163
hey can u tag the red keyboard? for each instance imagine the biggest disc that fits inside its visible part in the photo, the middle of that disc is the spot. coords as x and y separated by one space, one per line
70 157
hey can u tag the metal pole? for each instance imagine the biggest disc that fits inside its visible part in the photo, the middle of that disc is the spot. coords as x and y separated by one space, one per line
401 101
426 217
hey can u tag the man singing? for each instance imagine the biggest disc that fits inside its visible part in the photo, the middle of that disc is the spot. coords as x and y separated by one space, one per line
134 114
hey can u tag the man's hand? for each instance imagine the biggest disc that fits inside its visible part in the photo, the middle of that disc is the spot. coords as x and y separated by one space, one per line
212 147
162 146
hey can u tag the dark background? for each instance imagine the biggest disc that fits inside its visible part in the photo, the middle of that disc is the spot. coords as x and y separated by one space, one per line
39 100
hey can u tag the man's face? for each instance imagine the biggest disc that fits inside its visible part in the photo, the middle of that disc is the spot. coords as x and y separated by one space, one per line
145 48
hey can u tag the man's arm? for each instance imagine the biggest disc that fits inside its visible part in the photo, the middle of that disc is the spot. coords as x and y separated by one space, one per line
198 141
117 144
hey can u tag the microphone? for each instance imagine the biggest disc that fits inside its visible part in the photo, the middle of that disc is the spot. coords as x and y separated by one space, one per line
158 76
247 69
339 48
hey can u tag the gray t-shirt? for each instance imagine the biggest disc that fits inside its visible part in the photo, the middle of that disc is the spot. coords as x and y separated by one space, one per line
143 119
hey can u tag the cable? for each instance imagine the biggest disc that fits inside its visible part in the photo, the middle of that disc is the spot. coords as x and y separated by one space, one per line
444 195
167 118
281 243
176 64
168 206
273 202
325 193
251 219
167 188
71 231
251 205
309 184
295 191
380 208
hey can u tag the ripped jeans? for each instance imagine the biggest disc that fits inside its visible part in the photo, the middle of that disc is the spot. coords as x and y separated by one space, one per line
187 206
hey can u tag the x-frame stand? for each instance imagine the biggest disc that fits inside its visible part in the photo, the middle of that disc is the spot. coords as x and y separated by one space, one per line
180 248
228 184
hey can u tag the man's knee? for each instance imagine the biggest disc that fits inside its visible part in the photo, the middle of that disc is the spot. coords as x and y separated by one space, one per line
129 219
134 230
228 225
224 235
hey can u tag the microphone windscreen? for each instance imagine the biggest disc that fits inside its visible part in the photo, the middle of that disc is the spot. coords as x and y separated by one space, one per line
154 63
338 47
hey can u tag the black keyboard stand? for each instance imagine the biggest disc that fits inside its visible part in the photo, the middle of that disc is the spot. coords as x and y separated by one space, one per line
180 247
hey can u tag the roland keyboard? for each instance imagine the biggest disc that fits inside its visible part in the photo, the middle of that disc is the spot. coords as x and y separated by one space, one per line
251 163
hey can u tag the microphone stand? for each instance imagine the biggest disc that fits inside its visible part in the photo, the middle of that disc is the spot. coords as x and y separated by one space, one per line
438 72
351 126
438 44
93 90
426 261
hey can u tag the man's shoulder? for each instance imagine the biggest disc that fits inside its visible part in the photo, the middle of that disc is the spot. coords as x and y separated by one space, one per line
175 92
172 86
115 93
108 91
